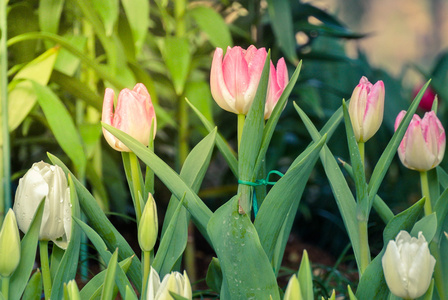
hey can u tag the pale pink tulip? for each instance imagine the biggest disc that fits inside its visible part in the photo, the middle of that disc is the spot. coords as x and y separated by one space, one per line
234 80
423 145
366 109
134 114
278 79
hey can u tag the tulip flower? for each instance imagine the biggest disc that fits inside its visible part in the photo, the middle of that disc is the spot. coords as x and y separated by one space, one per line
48 182
423 145
366 109
148 227
9 245
408 265
234 80
134 115
173 282
427 99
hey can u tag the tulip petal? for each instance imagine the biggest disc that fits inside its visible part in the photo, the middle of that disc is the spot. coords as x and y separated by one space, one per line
255 69
218 87
394 270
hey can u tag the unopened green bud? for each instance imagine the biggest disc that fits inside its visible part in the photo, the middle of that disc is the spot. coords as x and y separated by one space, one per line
293 289
73 291
149 226
9 245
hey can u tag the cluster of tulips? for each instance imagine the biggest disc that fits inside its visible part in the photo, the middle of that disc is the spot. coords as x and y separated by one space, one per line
408 265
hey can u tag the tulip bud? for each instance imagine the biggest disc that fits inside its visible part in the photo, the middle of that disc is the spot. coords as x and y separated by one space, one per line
45 181
408 265
423 145
366 109
173 282
293 291
234 80
73 291
149 227
134 115
9 245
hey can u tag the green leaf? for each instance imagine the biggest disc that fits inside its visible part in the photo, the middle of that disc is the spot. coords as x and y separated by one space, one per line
251 139
67 63
221 143
342 193
199 211
108 12
429 293
372 284
28 246
137 12
62 126
350 294
214 275
50 15
69 263
357 165
388 154
109 281
172 244
282 25
101 247
275 116
130 295
102 225
427 225
95 285
33 289
243 261
200 96
305 278
284 199
22 97
213 25
177 57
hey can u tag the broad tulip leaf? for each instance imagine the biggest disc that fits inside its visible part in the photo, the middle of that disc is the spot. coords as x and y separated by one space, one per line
62 126
102 225
22 96
100 246
137 12
372 284
244 263
69 263
28 246
342 193
284 199
213 25
177 56
109 280
95 284
198 210
33 289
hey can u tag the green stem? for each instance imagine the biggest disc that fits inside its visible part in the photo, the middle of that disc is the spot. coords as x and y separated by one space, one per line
6 178
425 192
5 287
364 246
241 120
45 266
361 152
136 185
146 269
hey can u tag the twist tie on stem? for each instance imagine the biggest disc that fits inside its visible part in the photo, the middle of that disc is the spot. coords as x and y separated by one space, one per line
258 182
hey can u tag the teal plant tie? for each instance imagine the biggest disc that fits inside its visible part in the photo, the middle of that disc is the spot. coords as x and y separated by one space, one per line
258 182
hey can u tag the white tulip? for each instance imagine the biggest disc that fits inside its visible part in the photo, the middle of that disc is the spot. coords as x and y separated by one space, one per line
408 265
173 282
45 181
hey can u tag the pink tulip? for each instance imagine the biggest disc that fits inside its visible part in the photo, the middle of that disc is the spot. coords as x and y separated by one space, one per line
366 109
134 114
234 80
277 83
427 98
423 144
